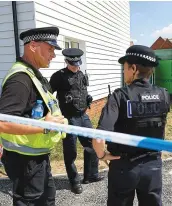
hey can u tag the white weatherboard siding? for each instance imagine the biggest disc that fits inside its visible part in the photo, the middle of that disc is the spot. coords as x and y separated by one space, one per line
104 26
101 27
7 47
7 42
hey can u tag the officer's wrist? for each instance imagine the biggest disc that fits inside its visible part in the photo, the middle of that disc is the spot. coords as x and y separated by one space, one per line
104 155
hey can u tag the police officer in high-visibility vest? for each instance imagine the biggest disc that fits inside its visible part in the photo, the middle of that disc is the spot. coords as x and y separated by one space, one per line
27 148
71 86
141 109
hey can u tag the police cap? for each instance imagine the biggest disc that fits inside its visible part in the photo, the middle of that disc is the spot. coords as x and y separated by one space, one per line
73 56
138 54
45 34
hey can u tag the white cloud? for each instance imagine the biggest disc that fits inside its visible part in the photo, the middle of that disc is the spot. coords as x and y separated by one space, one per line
133 40
141 34
165 32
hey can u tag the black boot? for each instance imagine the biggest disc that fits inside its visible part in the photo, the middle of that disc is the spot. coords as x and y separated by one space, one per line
92 179
76 188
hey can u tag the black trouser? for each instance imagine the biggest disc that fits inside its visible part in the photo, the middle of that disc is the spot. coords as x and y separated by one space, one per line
143 176
33 183
70 151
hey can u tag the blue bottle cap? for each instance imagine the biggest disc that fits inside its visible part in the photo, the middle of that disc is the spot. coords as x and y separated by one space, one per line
39 101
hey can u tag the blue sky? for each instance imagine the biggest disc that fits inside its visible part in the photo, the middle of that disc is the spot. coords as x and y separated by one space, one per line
149 20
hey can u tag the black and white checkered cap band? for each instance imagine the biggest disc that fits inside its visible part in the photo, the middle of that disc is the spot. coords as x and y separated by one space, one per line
75 59
41 37
142 56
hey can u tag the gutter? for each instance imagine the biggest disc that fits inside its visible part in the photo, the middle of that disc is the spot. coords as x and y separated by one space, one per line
15 25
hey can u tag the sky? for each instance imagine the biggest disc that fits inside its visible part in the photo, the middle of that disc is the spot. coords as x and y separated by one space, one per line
149 20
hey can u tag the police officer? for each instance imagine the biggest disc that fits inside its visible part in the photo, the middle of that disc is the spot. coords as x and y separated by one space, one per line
27 148
71 86
137 109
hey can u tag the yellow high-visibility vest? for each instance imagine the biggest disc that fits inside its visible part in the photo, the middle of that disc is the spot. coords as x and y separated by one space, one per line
34 144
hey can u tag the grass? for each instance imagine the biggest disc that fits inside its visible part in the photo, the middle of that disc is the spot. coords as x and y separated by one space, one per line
2 172
57 153
168 134
56 157
168 129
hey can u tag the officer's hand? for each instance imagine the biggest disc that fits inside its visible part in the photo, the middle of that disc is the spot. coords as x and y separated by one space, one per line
57 119
99 147
109 156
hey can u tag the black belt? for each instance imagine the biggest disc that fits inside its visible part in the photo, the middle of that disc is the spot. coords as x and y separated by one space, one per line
134 158
150 122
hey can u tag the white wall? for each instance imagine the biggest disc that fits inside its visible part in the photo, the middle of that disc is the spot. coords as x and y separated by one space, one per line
105 28
7 43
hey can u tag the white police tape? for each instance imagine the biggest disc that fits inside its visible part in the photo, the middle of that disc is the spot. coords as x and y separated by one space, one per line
126 139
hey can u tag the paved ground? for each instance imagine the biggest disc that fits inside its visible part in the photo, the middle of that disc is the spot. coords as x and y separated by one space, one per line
94 194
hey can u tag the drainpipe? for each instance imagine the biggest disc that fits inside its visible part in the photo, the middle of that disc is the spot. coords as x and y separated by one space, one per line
15 25
122 76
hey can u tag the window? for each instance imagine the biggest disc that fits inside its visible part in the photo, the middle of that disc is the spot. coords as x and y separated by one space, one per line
66 45
74 45
71 44
79 44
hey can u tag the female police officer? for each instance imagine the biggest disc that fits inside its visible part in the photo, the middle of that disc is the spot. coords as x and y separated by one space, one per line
139 109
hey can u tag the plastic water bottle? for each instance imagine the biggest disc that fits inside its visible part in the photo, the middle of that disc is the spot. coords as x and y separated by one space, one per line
52 106
38 110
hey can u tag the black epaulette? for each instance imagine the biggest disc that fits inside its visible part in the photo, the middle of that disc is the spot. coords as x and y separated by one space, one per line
61 70
122 89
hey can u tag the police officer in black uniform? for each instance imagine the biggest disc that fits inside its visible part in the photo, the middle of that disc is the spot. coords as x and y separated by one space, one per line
140 108
71 86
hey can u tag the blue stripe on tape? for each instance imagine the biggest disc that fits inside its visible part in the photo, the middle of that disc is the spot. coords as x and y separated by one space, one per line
126 139
156 144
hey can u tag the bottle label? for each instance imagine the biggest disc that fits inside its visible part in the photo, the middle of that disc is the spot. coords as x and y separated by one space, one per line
37 114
